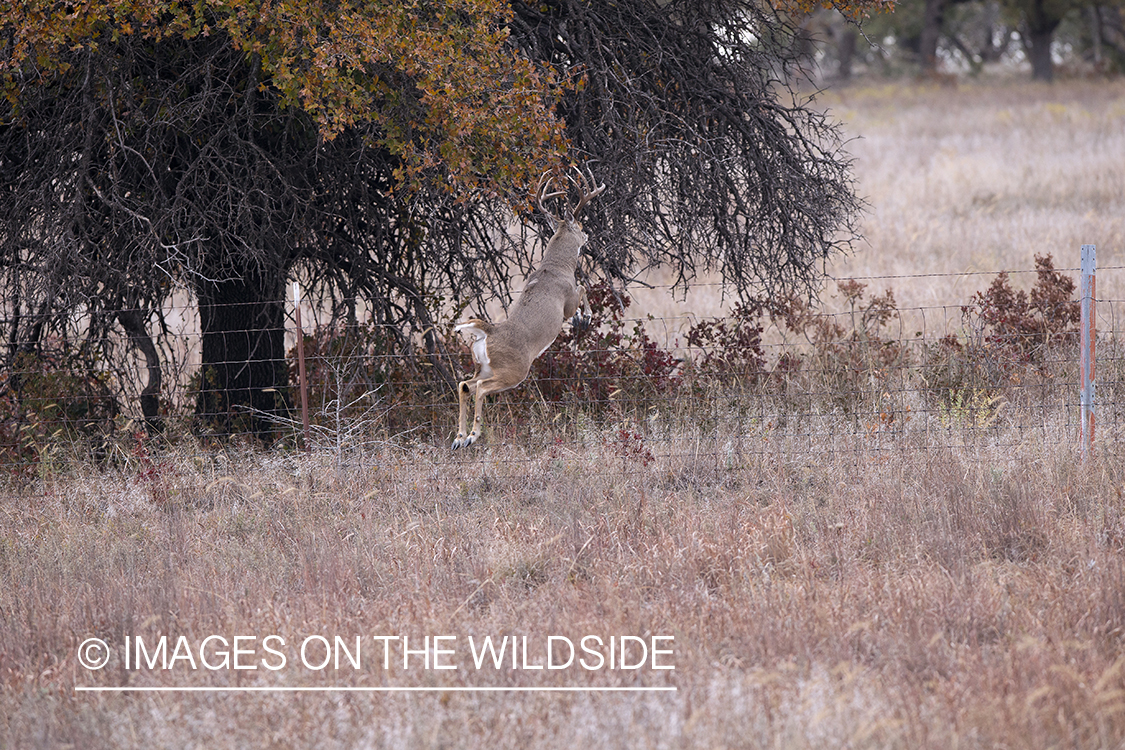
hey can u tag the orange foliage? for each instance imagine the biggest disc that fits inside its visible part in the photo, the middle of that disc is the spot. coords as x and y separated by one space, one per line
853 10
450 98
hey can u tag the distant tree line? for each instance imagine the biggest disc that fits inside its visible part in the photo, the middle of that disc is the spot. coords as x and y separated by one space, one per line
920 34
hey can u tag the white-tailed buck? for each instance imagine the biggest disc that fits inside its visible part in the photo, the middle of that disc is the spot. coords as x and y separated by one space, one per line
504 351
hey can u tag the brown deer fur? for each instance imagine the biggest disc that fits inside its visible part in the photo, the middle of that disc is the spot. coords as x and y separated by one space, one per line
504 351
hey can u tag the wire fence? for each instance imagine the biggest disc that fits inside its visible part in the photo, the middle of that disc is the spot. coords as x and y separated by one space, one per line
995 372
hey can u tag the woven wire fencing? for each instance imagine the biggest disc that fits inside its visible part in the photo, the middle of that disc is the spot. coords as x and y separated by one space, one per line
998 370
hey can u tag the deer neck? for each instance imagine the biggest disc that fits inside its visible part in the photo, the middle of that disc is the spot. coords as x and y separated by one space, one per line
563 249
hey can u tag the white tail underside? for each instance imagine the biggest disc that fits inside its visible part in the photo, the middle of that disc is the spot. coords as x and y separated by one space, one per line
479 347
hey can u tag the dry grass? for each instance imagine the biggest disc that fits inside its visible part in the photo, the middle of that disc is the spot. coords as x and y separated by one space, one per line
983 178
922 597
974 179
827 585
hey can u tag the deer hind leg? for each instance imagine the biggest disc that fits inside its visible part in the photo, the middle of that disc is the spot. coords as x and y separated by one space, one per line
482 388
463 390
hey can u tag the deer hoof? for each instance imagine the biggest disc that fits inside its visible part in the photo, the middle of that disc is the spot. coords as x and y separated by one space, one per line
464 441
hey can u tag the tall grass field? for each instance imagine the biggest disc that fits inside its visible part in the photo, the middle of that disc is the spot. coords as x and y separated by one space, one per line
893 570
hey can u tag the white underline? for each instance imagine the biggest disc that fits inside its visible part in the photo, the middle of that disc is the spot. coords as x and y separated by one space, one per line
359 689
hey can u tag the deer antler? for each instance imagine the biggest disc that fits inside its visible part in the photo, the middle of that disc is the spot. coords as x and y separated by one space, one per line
587 193
541 195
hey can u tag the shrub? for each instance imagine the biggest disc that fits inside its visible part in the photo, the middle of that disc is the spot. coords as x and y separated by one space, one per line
1007 338
1026 326
606 366
853 355
363 378
845 355
54 395
729 350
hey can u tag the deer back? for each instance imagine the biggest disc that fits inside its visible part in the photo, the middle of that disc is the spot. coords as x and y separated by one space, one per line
550 292
539 312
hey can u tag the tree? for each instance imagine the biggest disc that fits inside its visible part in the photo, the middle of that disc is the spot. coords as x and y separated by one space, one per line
1040 20
220 147
982 31
1107 35
711 159
933 16
378 150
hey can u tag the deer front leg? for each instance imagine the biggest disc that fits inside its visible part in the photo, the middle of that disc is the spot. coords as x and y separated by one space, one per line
578 309
462 440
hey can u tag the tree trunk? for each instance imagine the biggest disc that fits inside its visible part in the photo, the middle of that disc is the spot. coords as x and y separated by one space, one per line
845 51
1037 37
244 375
932 19
1037 42
133 324
1094 18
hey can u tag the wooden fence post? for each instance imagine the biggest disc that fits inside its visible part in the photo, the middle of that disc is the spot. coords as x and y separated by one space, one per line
1086 355
302 384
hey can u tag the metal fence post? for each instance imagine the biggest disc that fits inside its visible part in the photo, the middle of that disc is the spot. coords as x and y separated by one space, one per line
1088 343
302 383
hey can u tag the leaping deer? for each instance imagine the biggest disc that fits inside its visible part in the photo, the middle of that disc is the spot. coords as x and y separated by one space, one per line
504 351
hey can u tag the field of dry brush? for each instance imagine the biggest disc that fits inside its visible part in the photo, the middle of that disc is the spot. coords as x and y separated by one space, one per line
957 584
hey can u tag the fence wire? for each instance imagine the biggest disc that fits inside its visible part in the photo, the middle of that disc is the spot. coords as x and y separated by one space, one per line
981 376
